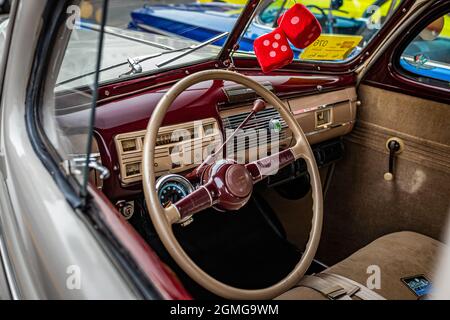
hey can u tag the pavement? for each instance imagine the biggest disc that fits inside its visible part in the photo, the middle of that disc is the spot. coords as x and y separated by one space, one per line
119 10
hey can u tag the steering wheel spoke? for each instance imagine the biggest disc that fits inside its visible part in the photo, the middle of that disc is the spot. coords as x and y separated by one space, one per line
172 214
270 165
202 198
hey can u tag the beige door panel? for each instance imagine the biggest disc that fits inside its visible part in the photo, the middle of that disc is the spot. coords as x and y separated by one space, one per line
423 119
361 205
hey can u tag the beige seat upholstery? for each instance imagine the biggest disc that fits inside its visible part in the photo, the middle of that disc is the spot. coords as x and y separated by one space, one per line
398 255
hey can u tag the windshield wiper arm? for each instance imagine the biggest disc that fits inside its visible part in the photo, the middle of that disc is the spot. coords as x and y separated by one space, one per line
192 48
134 62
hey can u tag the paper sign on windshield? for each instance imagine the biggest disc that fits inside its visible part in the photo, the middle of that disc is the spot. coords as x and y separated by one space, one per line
331 47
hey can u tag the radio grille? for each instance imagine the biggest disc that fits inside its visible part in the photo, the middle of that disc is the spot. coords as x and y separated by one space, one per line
257 131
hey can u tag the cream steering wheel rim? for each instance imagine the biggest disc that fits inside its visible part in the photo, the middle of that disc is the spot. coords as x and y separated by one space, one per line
164 218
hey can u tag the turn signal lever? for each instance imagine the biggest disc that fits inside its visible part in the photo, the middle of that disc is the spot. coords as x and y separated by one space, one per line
394 146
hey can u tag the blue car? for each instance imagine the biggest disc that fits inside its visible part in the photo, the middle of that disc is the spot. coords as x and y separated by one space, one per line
428 59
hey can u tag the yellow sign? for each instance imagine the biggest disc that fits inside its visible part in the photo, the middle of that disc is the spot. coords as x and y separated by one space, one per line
331 47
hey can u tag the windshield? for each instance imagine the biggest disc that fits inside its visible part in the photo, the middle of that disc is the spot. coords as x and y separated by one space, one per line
147 36
347 26
144 36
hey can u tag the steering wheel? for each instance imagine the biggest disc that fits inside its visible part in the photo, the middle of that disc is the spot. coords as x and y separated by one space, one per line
228 185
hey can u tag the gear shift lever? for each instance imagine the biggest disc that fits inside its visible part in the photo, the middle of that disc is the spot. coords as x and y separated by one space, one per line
258 105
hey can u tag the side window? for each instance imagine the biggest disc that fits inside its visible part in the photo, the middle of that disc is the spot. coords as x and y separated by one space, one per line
3 28
4 22
66 114
427 57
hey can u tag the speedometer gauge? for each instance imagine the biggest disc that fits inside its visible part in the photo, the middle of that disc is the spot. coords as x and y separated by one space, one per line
171 193
172 188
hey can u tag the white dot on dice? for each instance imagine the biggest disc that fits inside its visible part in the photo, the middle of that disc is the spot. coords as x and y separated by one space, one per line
283 48
295 20
275 45
272 54
266 42
277 36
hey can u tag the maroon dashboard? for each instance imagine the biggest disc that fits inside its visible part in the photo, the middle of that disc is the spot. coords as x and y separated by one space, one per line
120 113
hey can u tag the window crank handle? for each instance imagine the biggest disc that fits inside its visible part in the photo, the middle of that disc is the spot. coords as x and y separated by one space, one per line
394 146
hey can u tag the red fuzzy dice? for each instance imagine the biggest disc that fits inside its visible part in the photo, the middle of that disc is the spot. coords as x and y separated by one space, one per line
273 51
300 26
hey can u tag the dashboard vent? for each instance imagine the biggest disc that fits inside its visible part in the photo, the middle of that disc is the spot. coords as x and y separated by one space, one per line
259 122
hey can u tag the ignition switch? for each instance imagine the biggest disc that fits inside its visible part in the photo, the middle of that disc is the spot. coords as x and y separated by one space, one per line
126 208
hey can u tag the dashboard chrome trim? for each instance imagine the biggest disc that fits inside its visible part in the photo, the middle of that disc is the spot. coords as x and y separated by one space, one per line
332 126
320 107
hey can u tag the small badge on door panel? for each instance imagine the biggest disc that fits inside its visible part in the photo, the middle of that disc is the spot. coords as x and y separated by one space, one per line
419 284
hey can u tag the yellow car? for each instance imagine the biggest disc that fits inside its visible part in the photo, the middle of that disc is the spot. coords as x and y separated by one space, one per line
446 29
349 8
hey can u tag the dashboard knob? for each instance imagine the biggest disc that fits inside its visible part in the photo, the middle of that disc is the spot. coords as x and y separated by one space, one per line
126 208
259 105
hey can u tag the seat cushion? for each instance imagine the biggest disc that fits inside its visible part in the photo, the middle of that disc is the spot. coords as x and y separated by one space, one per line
398 255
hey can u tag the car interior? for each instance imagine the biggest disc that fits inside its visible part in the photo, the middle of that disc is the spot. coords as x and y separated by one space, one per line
361 183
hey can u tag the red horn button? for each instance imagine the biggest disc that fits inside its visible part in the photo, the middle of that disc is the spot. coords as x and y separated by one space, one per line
238 181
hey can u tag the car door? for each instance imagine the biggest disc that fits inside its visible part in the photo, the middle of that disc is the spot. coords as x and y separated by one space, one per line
48 249
404 95
5 275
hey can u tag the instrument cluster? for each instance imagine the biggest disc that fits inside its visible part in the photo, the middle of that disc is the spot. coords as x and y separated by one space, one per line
171 188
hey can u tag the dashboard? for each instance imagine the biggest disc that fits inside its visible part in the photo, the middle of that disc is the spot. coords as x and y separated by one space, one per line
324 106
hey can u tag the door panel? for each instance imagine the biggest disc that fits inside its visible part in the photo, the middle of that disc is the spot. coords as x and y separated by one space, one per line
361 202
